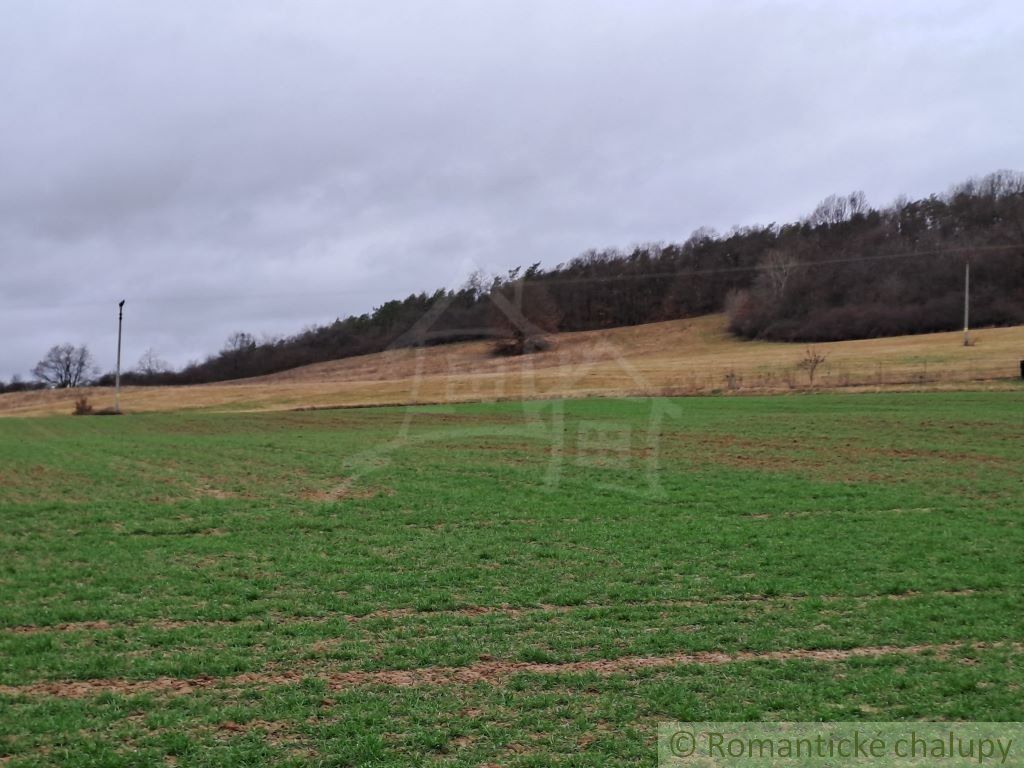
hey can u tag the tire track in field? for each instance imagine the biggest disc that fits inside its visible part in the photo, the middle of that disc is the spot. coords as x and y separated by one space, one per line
102 625
491 671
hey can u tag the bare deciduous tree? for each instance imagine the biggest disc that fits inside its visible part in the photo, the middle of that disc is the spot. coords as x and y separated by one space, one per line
777 268
478 284
237 351
239 342
858 204
834 209
811 362
151 364
65 365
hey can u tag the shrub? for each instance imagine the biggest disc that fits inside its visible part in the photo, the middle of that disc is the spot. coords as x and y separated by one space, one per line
810 362
521 345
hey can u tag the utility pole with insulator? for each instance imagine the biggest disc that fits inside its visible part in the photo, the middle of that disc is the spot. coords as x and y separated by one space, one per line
117 374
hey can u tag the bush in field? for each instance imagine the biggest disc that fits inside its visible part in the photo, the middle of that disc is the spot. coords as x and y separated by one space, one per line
810 363
523 314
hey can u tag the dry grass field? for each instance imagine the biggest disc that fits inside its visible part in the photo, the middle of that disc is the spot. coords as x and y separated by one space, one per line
678 357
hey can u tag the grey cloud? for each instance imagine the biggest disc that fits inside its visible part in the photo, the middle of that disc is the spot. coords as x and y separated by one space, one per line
263 166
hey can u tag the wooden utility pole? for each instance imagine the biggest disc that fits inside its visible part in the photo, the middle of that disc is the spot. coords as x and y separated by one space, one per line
117 375
967 303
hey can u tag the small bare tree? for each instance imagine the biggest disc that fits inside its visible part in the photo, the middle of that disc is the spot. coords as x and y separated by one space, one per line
834 209
65 365
858 203
239 342
811 361
238 350
777 268
151 364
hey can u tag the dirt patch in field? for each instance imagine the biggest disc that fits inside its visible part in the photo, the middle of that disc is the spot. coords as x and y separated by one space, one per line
473 610
77 626
481 672
944 456
384 613
345 490
102 625
216 493
277 733
493 671
942 592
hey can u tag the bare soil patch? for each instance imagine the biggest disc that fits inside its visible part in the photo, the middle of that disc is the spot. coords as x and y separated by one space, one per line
481 672
346 490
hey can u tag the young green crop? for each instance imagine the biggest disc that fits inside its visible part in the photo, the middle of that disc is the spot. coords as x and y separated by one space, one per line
476 584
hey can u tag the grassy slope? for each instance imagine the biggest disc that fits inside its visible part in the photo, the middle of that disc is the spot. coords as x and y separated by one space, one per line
676 357
277 552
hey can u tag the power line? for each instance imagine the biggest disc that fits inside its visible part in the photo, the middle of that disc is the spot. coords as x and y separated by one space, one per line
982 250
979 250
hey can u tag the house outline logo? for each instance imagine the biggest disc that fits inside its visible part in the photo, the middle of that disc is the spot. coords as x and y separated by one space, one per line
619 452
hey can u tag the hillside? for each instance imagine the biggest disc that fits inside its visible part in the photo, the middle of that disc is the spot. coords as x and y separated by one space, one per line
845 271
669 358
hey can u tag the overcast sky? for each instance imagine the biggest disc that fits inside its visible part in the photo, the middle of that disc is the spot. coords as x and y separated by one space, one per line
262 166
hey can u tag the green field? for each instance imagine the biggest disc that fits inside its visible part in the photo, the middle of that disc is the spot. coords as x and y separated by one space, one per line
506 584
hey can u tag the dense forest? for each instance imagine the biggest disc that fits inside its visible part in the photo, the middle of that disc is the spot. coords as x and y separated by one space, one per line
847 270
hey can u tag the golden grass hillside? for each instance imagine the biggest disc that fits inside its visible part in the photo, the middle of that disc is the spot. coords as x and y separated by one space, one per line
677 357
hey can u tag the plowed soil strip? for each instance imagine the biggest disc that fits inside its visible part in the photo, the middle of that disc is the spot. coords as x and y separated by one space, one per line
481 672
